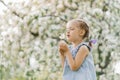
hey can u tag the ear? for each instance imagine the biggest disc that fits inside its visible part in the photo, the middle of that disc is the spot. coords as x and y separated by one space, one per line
82 32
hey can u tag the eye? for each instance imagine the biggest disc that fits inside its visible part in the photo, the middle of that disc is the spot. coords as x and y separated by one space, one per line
71 28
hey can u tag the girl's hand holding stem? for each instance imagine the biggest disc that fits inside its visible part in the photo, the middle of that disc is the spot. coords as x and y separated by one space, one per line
63 47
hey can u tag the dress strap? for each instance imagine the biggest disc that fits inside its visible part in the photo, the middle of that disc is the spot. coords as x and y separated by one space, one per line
89 48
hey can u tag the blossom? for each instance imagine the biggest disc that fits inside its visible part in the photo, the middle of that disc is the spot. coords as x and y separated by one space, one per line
117 68
33 62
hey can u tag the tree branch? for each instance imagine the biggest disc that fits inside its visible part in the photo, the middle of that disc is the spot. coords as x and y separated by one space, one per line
14 12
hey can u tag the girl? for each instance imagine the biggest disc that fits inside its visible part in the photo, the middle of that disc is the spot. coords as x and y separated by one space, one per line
77 61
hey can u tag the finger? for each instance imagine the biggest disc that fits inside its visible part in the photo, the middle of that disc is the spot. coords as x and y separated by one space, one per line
62 42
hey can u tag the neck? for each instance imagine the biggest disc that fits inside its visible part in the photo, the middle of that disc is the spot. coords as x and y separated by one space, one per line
76 43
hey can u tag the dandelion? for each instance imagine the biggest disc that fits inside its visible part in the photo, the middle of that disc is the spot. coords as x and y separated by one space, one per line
62 36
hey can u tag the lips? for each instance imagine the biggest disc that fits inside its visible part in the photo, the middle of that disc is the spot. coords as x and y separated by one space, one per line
68 36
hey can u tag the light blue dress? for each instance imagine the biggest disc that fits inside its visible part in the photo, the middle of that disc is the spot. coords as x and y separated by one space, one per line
86 70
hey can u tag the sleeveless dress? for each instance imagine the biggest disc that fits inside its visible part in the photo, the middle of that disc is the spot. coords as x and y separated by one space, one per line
86 70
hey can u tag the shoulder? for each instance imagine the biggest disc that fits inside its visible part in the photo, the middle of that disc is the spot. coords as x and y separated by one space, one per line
84 49
87 46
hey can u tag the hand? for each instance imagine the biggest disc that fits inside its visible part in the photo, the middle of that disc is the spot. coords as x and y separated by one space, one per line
63 47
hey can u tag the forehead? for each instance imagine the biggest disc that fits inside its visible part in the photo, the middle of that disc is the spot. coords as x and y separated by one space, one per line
72 24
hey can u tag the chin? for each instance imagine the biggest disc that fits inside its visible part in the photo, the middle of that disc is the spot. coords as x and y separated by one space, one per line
69 40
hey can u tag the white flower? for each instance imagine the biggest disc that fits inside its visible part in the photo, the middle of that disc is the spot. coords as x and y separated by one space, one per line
98 11
4 33
117 68
37 43
16 31
33 63
21 54
108 14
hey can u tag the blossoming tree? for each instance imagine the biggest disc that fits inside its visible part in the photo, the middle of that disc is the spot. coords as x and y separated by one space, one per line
30 31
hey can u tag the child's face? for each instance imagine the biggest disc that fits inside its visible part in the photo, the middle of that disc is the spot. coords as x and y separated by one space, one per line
73 33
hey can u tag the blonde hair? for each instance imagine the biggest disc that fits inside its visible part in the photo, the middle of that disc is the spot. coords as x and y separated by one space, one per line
82 25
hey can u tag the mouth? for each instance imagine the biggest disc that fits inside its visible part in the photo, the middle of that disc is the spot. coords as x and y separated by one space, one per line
68 36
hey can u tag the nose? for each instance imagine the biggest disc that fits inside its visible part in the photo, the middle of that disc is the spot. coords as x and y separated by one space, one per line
67 31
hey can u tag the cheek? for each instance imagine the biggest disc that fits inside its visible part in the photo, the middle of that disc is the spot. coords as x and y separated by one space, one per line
76 34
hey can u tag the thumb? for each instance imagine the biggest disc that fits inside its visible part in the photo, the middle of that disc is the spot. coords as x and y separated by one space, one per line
61 43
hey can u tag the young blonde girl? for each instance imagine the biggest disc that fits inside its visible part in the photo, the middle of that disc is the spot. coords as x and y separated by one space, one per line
77 61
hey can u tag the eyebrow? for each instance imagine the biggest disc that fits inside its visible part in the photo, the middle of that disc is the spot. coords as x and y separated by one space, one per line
69 27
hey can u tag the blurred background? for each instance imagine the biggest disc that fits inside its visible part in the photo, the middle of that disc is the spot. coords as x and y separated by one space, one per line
31 29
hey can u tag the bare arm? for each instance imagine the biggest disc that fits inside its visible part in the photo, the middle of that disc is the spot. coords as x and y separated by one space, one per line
80 56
